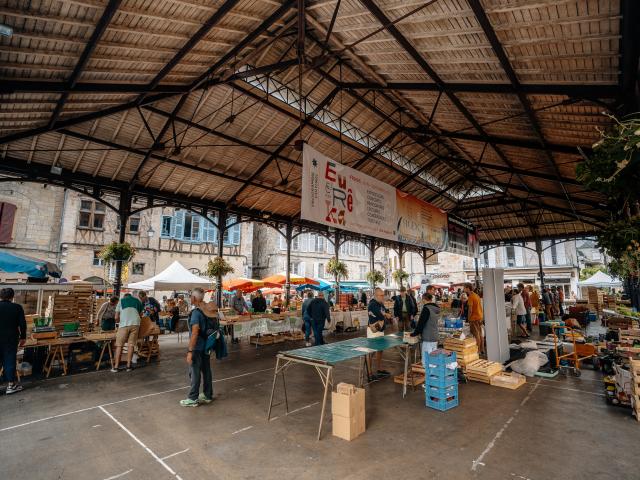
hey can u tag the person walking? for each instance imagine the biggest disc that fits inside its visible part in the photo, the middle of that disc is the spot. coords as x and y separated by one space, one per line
378 319
107 314
561 300
427 326
475 315
318 310
403 310
306 318
547 302
198 359
128 315
13 334
527 304
517 305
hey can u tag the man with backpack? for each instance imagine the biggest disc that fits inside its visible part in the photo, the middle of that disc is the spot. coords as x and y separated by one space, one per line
201 328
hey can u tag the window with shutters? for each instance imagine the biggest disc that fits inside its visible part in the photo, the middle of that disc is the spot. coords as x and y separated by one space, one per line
7 218
283 243
510 256
91 215
363 271
137 269
97 261
295 244
166 226
321 270
134 224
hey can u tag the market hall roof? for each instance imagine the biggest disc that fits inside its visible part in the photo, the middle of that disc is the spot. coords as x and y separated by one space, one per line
477 106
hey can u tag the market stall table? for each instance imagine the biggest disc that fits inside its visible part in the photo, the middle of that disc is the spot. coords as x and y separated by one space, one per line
106 338
325 357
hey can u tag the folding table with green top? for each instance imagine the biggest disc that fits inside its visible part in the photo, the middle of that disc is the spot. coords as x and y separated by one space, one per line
324 357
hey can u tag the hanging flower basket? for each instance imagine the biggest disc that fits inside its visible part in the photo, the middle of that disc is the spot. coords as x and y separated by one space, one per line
117 252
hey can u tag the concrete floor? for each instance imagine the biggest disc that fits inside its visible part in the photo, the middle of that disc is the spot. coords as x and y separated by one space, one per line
101 426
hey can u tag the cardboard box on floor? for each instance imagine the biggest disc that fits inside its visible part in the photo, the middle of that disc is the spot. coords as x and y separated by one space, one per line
348 409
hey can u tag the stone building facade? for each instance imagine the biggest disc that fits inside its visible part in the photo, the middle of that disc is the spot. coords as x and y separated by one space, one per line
69 229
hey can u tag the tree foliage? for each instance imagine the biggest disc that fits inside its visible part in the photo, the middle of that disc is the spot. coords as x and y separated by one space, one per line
588 272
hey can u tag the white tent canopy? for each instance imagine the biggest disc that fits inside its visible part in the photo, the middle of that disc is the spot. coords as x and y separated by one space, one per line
174 277
601 280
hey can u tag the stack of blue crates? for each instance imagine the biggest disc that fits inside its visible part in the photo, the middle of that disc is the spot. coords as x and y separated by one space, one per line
441 383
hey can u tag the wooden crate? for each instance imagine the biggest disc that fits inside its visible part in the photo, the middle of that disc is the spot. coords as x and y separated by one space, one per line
262 340
417 368
482 370
464 360
412 380
508 380
295 335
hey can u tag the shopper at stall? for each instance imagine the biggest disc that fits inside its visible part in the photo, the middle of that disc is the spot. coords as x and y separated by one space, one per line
318 310
547 303
556 301
427 326
259 304
363 298
403 310
378 320
561 300
534 297
475 315
306 318
128 314
151 307
527 304
517 305
412 297
463 311
13 334
198 359
174 311
107 314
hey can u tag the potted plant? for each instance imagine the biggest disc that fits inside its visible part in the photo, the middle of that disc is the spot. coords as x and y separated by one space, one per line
117 252
338 270
374 277
216 269
399 276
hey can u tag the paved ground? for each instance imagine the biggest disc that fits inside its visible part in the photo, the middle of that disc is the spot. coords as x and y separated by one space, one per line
130 426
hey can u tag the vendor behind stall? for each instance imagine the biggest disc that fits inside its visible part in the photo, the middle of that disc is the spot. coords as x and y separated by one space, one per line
259 303
107 315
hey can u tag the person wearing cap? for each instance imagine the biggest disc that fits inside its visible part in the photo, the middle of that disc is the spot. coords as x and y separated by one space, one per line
259 304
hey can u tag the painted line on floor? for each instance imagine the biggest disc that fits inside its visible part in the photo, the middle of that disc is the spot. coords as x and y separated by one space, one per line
496 437
81 410
573 390
243 429
174 454
139 442
302 408
119 475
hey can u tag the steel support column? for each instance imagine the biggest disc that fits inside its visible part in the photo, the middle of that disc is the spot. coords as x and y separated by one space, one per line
287 283
424 260
124 210
222 227
336 243
540 264
477 272
372 254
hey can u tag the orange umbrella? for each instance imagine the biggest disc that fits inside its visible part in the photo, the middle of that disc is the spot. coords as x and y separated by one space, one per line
276 291
280 279
245 284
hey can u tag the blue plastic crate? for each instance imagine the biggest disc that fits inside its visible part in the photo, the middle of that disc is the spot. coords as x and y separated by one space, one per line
592 316
441 357
442 403
453 323
442 392
441 380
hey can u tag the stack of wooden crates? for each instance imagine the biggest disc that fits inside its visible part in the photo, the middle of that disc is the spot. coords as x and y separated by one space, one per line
466 350
596 299
635 388
73 306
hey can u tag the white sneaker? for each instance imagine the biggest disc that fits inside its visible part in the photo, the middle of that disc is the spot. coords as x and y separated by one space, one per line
114 370
308 344
16 387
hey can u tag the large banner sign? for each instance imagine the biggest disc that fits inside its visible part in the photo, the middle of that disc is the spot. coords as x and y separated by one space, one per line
463 237
341 197
420 223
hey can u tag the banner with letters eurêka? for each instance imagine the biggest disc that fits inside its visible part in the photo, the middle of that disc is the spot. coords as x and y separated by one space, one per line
342 197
